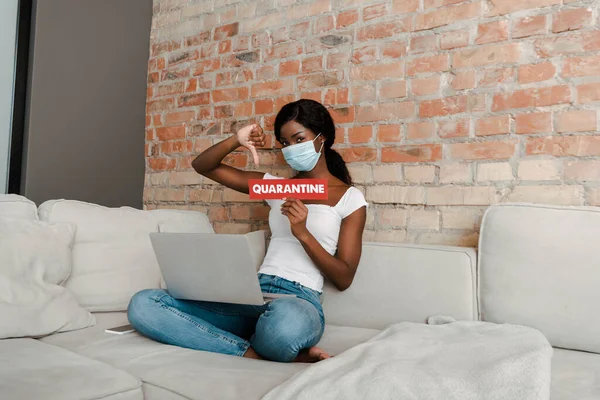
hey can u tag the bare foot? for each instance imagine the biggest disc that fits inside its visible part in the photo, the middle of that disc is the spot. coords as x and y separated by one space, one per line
312 355
250 353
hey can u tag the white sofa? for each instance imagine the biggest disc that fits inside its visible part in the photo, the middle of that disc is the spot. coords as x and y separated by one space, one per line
538 266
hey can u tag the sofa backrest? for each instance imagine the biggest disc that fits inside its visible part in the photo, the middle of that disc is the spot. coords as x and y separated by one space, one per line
15 206
112 254
540 267
400 282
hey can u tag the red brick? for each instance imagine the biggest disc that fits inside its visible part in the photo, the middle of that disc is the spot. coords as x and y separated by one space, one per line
184 57
338 60
453 128
263 106
495 150
162 164
270 89
236 160
412 153
423 44
385 111
323 24
529 26
464 80
203 67
564 146
420 130
374 11
336 96
176 147
312 64
243 110
191 85
581 66
170 89
299 31
199 39
566 44
440 3
342 115
376 72
532 98
476 102
193 100
384 29
289 68
284 50
425 86
501 7
364 55
171 132
588 93
576 121
495 31
225 47
226 31
158 120
447 15
178 117
536 72
533 123
570 20
358 154
486 55
389 133
362 93
218 213
319 80
347 18
441 107
454 39
360 134
230 95
392 90
497 125
492 77
429 64
404 6
393 49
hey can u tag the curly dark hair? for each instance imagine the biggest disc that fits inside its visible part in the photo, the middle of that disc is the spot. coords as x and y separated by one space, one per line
314 116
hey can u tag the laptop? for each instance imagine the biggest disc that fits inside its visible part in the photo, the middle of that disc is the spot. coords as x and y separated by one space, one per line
212 267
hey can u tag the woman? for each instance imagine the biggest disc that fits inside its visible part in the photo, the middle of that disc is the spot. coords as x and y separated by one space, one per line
309 241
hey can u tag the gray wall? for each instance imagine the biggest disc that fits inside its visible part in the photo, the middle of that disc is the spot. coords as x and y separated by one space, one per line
84 136
8 31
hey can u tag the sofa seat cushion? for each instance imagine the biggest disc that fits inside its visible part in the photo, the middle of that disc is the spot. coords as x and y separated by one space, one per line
188 373
575 375
31 369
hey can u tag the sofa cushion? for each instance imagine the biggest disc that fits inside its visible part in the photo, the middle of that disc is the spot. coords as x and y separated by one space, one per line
192 374
399 282
35 259
12 205
575 375
30 369
112 255
539 268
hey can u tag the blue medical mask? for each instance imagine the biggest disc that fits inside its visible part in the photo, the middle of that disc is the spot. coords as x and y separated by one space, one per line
302 156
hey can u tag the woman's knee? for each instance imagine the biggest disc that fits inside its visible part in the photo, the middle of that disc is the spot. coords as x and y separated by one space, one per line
142 303
288 326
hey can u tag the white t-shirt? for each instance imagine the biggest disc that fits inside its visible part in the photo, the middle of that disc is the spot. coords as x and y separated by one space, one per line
286 257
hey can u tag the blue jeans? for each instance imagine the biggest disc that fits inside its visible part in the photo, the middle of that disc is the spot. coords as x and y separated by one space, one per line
277 331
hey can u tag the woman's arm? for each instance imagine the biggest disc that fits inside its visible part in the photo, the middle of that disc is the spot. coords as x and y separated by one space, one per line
339 269
209 162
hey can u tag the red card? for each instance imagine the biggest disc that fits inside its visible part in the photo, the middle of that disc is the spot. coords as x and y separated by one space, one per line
302 189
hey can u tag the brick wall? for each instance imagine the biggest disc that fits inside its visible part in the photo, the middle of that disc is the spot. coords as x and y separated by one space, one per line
443 106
